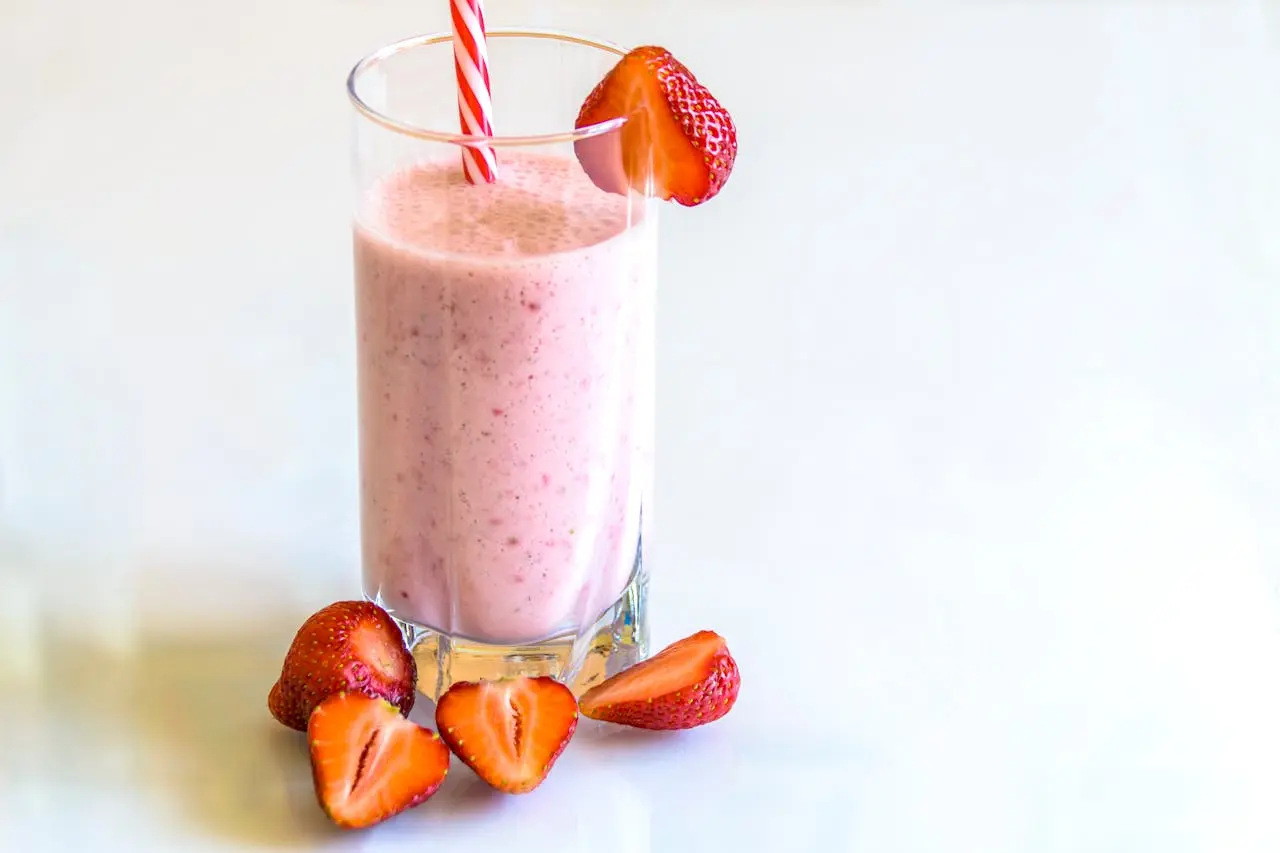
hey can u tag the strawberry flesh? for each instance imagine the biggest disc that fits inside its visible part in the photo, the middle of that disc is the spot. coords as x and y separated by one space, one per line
510 732
347 646
368 762
677 141
690 683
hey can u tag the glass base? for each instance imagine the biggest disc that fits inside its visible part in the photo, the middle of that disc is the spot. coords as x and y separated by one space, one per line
617 640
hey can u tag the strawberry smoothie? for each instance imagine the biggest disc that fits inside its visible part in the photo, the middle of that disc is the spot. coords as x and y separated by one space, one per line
506 396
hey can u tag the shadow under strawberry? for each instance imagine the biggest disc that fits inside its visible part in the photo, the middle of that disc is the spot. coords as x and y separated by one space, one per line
597 736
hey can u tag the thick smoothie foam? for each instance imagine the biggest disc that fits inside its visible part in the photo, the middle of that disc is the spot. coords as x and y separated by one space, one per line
505 372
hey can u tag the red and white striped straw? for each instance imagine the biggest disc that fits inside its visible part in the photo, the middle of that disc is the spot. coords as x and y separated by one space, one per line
475 102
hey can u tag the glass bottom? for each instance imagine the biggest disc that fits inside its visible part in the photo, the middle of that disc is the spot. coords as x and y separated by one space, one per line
617 640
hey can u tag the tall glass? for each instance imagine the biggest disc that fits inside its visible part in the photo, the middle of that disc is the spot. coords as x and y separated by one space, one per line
505 364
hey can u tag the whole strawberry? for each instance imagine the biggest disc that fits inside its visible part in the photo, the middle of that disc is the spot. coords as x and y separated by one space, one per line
351 646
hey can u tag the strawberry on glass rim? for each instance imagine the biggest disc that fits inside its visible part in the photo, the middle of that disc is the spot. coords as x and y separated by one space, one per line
677 143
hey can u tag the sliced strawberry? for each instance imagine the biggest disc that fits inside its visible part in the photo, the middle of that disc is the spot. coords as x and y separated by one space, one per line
678 142
368 762
509 732
692 682
352 646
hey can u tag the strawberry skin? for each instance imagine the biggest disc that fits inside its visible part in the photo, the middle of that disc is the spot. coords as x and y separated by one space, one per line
678 141
347 646
368 762
690 683
510 732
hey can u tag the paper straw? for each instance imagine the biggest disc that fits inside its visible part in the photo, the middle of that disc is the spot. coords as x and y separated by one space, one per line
475 102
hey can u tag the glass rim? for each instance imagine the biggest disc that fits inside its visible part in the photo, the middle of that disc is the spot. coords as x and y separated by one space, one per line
430 39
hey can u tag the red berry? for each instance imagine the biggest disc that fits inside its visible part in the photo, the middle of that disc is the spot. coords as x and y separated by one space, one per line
349 646
368 762
509 732
678 142
690 683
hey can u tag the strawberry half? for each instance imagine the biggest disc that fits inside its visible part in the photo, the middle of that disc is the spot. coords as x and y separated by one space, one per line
677 135
509 732
351 646
690 683
368 762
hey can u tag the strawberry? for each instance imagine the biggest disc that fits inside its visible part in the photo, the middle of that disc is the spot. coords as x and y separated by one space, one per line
690 683
676 132
350 645
368 762
509 732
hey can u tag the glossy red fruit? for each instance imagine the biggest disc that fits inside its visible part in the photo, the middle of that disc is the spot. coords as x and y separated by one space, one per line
510 732
677 143
690 683
368 762
351 646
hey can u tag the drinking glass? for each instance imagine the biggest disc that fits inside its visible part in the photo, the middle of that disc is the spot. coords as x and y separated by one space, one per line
505 347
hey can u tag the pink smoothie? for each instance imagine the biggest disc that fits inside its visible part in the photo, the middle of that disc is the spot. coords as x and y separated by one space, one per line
505 379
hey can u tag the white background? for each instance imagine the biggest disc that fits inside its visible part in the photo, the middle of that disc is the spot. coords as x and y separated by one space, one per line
968 428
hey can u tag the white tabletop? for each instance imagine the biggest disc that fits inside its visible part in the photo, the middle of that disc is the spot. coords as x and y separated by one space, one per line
968 418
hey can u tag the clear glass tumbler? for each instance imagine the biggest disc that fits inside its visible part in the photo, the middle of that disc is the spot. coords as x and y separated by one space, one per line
505 364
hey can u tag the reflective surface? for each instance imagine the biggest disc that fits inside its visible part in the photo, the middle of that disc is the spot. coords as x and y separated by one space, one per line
967 432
